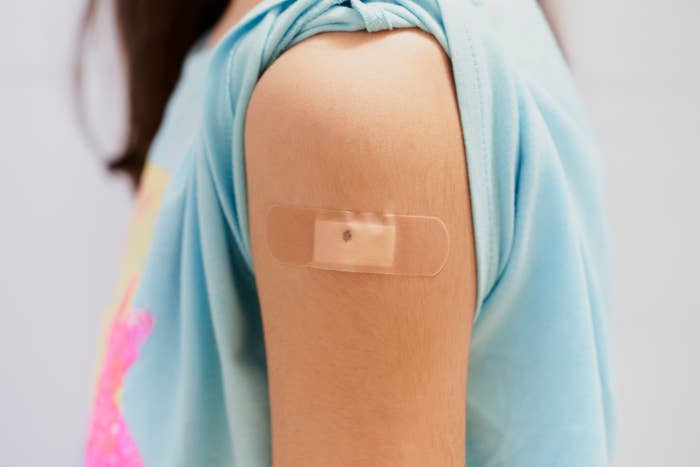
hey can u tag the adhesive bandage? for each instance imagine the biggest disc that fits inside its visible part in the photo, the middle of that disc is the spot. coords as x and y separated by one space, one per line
357 241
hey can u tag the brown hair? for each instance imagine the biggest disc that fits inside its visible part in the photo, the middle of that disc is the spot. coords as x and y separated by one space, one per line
155 36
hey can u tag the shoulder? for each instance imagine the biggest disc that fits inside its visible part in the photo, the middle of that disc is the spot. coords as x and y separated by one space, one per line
340 64
346 55
357 82
366 97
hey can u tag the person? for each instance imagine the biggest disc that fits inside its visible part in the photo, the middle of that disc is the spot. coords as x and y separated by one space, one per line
365 233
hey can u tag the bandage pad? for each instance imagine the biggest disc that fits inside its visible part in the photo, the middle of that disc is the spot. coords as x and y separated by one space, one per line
357 241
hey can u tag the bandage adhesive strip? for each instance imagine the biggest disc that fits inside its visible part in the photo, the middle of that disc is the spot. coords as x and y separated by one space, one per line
352 241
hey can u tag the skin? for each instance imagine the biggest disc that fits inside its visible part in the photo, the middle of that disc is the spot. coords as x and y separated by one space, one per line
552 10
364 369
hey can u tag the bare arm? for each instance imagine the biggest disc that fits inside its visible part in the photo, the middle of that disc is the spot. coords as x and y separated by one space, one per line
364 369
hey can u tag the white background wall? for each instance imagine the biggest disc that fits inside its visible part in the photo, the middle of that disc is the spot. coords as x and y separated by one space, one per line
62 225
638 66
63 219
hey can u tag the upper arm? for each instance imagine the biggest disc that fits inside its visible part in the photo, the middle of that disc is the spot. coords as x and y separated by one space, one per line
364 369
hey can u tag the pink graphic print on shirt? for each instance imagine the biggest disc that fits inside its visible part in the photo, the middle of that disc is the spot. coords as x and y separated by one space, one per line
109 442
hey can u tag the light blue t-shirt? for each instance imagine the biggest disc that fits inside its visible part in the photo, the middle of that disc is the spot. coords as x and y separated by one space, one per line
182 377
